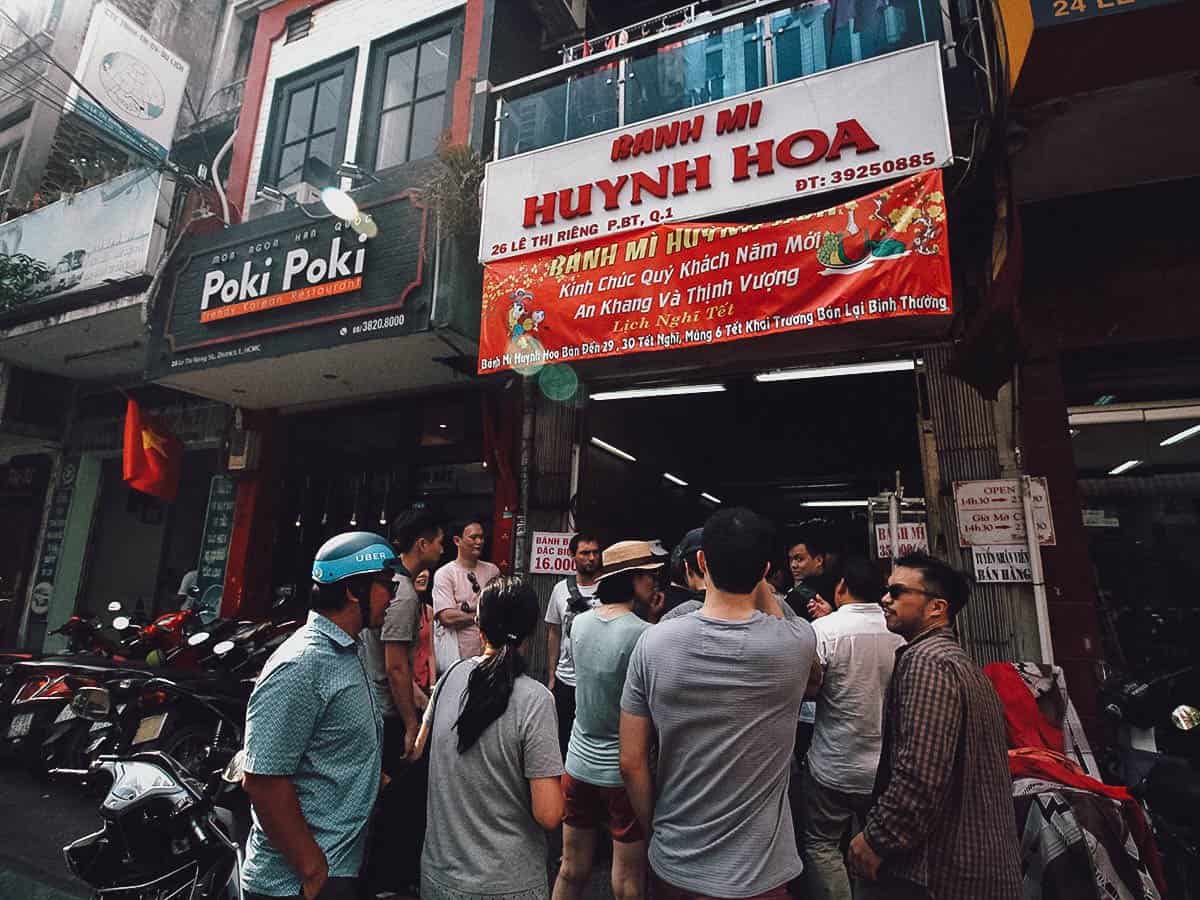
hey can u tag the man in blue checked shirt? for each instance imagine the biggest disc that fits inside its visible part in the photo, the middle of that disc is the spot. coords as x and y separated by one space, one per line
314 734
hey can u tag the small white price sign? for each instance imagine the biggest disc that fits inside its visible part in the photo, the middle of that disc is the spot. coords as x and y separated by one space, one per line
551 554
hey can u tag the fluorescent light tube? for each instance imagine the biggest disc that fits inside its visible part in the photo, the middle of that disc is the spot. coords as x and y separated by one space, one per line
672 391
674 479
710 498
832 504
867 368
615 451
1181 436
1125 466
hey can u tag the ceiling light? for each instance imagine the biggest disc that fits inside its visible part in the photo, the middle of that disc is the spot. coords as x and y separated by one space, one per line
674 479
710 498
833 504
672 391
442 425
1181 436
1125 466
867 368
615 451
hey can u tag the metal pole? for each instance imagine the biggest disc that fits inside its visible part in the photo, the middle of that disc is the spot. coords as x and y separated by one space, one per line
894 525
1036 573
525 476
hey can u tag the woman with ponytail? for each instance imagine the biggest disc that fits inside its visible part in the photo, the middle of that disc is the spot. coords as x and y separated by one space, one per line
494 763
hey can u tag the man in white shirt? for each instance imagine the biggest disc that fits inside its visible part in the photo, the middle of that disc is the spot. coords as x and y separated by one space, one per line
456 589
570 597
855 653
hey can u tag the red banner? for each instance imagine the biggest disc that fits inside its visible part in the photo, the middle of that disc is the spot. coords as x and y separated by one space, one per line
882 256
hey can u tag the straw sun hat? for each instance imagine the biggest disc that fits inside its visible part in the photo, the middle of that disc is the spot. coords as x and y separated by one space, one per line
628 556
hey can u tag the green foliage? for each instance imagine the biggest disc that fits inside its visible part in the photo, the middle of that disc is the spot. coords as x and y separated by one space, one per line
19 276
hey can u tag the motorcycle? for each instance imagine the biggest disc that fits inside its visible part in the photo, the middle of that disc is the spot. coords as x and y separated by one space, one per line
167 831
1158 728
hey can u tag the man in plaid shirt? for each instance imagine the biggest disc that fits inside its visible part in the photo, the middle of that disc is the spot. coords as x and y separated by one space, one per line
942 825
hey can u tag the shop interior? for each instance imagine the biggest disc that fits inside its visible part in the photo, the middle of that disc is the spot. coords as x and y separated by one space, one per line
794 449
358 467
141 547
1134 418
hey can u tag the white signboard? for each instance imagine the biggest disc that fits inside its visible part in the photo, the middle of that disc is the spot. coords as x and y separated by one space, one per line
137 79
1001 563
551 553
101 235
867 122
990 512
914 538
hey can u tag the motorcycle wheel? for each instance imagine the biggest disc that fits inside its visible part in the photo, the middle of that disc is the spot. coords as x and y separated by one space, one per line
188 746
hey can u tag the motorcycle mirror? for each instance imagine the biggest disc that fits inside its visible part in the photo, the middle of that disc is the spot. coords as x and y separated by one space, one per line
236 768
222 648
120 623
1185 718
200 637
114 606
91 703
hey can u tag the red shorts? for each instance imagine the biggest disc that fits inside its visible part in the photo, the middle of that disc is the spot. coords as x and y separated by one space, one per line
593 806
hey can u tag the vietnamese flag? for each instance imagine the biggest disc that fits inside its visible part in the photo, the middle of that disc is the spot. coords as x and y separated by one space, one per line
153 456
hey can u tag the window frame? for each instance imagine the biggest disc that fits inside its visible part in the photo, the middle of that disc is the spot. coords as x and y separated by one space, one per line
381 51
289 85
10 155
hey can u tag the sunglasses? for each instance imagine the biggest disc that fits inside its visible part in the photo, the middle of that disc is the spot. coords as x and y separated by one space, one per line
896 591
474 582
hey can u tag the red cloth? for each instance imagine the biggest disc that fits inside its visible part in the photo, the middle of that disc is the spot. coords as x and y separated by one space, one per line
1027 727
153 457
1038 762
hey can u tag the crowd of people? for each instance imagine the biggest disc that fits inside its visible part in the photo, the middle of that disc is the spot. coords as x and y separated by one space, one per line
736 734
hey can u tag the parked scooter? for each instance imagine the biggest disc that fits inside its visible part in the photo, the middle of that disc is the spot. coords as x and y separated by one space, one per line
164 834
1158 727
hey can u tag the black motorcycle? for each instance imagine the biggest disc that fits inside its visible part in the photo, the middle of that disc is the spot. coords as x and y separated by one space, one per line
164 834
1158 727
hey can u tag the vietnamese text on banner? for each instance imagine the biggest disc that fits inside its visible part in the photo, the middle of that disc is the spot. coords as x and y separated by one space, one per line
881 256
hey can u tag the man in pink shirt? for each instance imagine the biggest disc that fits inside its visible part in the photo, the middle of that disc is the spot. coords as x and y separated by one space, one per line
456 588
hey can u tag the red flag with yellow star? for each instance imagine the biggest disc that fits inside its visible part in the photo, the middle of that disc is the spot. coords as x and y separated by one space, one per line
153 456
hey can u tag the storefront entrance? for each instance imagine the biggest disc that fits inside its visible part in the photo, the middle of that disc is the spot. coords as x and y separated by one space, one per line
358 467
793 450
1135 432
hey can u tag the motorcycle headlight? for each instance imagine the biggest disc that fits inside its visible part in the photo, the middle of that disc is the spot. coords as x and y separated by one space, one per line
134 780
1185 717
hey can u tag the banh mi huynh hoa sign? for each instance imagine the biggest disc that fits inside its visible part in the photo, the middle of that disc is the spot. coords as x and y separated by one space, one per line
868 122
882 256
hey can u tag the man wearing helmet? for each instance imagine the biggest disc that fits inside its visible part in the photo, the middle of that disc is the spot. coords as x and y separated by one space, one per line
314 733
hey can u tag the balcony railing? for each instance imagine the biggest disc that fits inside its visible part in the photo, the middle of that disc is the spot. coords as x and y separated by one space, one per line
711 57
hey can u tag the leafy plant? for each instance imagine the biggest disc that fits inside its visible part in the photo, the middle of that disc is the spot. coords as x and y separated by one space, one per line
19 274
454 191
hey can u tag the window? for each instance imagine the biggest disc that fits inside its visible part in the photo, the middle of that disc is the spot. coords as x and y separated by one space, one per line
28 17
307 135
8 169
406 97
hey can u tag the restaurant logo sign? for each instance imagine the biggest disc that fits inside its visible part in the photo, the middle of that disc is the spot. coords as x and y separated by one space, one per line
303 274
287 283
855 125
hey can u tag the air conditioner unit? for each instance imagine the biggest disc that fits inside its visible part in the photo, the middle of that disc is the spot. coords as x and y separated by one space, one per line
303 192
265 206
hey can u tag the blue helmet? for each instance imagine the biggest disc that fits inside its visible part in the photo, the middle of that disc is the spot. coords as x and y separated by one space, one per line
352 553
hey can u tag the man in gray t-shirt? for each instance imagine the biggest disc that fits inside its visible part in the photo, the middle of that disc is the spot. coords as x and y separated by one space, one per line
721 689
